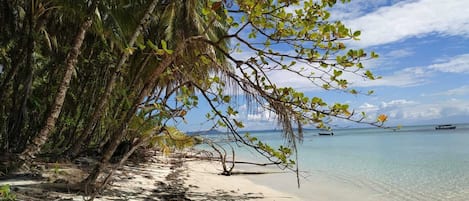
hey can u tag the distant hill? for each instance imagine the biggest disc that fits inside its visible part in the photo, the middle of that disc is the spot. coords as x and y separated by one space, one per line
215 131
205 132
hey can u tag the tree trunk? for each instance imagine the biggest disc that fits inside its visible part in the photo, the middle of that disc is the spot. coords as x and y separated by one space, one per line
22 113
35 145
117 137
140 142
18 113
99 110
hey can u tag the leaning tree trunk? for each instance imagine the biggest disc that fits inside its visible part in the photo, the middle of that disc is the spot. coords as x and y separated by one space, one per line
36 143
139 143
116 138
99 110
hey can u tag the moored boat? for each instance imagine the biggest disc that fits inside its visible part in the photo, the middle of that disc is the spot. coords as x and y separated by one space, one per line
445 127
328 133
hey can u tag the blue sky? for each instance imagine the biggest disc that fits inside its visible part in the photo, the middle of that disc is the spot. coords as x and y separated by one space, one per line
424 61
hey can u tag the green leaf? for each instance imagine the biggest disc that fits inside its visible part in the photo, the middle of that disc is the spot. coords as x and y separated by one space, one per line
160 52
369 75
205 11
141 46
221 123
229 20
238 123
164 45
357 33
129 50
152 45
337 73
230 111
252 35
226 99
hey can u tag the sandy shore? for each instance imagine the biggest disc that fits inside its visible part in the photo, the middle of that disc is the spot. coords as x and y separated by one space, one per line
204 183
201 181
162 178
165 178
147 181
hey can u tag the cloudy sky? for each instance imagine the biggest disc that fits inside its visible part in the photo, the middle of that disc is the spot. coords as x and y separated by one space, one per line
424 61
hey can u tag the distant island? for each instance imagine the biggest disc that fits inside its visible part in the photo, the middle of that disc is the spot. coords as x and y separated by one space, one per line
205 132
215 131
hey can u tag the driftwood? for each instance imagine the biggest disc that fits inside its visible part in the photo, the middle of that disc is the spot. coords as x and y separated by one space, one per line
222 157
254 173
212 158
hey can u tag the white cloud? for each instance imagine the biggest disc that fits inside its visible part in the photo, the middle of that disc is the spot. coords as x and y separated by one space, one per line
257 113
385 24
243 108
463 90
407 77
457 64
407 111
412 19
391 108
404 78
289 79
400 53
397 103
358 8
367 107
414 76
394 109
460 91
260 120
261 114
421 112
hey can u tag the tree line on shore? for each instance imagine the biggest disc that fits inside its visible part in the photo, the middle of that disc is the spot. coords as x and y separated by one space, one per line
88 74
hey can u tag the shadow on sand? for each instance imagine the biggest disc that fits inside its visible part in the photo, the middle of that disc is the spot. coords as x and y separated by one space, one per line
35 188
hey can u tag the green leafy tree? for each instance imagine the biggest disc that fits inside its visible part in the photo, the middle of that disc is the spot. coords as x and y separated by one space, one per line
317 52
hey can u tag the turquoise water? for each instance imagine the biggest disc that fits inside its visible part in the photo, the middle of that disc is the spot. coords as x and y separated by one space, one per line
414 163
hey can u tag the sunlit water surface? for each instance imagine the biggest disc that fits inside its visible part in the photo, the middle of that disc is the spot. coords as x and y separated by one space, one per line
414 163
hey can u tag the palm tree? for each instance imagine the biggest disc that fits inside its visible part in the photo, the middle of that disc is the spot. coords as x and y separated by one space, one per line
182 23
19 42
39 140
112 82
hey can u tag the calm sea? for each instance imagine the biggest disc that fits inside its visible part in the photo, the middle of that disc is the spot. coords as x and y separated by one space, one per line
413 163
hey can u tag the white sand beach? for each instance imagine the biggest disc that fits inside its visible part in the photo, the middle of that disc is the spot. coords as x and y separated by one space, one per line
165 178
205 183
